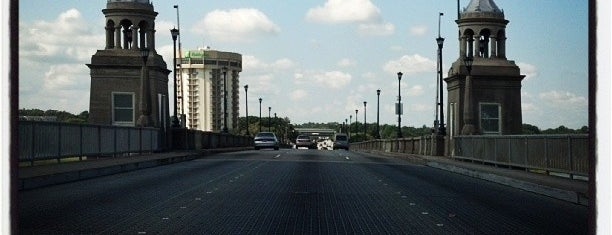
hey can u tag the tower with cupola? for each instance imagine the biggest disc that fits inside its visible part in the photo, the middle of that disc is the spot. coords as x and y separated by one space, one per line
484 87
129 80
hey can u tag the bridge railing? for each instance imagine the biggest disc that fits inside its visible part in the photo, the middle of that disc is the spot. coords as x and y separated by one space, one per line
552 153
57 140
424 145
186 139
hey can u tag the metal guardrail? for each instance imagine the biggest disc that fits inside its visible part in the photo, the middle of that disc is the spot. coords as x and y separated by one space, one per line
424 145
186 139
552 153
56 140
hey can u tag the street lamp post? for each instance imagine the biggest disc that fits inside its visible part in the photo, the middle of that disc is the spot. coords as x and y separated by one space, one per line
175 121
260 114
269 124
398 107
350 124
378 114
246 103
365 123
356 122
440 41
468 119
145 94
224 100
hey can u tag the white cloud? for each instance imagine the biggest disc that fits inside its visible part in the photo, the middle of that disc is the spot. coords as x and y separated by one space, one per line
236 25
68 37
418 30
253 64
416 90
346 62
530 71
333 79
298 95
344 11
410 64
52 57
564 99
376 29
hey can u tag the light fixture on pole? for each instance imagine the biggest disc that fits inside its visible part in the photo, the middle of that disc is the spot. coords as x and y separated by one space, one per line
378 114
246 103
365 123
398 106
468 118
224 100
440 41
175 120
269 124
145 93
356 123
350 125
260 114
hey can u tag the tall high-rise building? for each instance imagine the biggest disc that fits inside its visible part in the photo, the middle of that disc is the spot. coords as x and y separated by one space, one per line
208 89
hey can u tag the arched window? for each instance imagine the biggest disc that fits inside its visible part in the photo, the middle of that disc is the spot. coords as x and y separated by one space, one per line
468 43
484 43
126 34
144 28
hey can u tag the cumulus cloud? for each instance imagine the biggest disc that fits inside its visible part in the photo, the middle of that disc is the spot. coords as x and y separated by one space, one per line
361 12
236 25
52 58
332 79
346 62
418 30
530 71
410 64
344 11
251 63
299 94
376 29
564 99
68 37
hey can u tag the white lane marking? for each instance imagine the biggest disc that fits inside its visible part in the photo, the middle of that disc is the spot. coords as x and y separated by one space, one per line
277 156
347 158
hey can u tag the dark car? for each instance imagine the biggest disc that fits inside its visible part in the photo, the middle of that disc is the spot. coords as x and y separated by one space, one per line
341 141
304 141
265 140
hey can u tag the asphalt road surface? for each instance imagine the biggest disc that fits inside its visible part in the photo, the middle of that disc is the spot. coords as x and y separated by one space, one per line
293 192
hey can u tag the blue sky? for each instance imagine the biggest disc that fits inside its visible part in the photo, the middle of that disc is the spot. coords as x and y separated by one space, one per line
311 61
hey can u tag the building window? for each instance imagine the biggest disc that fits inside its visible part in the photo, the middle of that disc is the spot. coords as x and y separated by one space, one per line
123 108
490 118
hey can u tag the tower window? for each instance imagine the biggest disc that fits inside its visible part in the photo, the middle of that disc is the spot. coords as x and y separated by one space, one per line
490 118
123 108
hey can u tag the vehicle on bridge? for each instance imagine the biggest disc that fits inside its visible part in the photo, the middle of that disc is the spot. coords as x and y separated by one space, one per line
341 141
266 140
305 141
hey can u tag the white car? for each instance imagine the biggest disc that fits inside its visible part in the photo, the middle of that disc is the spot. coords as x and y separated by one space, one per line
265 140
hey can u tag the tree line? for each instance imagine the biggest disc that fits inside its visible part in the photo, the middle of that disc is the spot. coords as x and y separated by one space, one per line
283 127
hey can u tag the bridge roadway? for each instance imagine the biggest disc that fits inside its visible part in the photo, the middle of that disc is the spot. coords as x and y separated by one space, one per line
293 192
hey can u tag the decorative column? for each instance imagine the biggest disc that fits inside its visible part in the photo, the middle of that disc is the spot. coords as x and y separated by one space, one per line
477 45
462 46
109 37
493 46
118 37
134 37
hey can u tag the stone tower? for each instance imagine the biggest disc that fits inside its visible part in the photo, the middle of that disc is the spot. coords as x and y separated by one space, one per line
486 99
125 91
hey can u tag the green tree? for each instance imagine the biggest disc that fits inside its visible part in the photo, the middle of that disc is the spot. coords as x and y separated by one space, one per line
529 129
